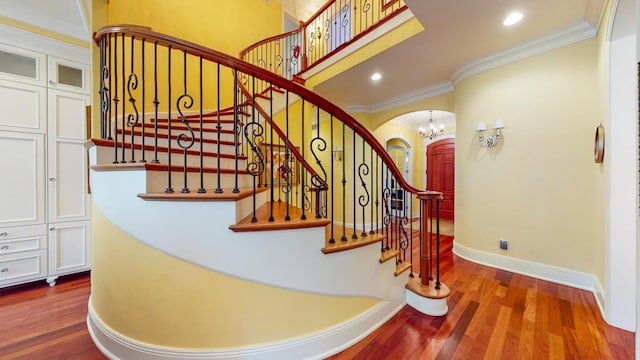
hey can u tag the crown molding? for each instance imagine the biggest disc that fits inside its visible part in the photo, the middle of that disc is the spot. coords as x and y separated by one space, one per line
18 11
42 44
404 99
572 34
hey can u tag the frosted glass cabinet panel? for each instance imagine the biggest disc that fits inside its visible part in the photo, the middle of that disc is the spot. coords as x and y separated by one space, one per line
68 75
21 65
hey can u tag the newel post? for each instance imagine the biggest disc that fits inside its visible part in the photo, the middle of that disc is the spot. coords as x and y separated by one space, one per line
425 295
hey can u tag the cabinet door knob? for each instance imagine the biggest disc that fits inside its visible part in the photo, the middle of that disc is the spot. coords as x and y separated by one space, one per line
52 179
52 229
4 233
4 270
4 248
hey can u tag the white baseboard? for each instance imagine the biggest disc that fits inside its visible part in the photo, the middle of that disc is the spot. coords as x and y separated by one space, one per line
558 275
116 346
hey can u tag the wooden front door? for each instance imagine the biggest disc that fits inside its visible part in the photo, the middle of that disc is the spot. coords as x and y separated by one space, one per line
441 173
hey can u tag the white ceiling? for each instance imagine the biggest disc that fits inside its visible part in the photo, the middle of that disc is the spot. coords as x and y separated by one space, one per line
457 34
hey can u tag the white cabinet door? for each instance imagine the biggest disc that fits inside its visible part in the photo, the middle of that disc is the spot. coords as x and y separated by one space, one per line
68 75
67 157
22 189
69 247
24 107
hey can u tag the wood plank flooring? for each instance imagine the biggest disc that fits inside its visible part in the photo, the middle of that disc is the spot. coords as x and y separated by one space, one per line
493 314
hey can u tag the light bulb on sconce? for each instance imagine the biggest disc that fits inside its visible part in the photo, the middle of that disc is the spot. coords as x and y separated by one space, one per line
493 139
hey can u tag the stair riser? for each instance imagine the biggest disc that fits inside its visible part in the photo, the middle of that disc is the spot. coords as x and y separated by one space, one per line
157 181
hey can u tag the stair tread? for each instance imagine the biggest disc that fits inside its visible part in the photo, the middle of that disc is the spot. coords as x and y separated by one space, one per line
388 255
160 167
350 242
279 223
164 149
227 194
428 291
402 267
150 134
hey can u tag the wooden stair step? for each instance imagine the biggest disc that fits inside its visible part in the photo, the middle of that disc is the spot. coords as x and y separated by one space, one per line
184 128
160 167
349 243
150 135
279 211
227 194
174 150
428 291
402 267
388 255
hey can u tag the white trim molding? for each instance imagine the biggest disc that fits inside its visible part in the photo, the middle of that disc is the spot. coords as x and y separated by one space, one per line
314 346
558 275
572 34
404 99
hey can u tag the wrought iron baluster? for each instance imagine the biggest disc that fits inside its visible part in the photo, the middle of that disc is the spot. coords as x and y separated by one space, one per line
344 189
218 128
271 175
438 244
363 200
354 235
286 170
303 216
201 190
155 103
185 140
332 240
235 129
318 182
109 115
133 118
144 93
411 233
124 113
372 190
116 100
169 189
254 136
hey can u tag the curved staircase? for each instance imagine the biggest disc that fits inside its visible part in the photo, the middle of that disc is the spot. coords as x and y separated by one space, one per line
247 188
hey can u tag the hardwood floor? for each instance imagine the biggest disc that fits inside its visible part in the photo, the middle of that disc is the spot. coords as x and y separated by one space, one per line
493 314
40 322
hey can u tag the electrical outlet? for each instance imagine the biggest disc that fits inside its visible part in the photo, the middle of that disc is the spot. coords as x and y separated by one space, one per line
503 244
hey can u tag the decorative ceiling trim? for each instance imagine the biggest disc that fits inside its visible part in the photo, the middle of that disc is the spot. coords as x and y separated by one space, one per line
35 42
595 12
404 99
19 12
571 34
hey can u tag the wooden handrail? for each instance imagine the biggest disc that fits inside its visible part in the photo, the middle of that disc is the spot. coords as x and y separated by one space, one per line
244 51
146 33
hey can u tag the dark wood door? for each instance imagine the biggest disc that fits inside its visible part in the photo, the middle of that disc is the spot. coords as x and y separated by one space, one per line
441 162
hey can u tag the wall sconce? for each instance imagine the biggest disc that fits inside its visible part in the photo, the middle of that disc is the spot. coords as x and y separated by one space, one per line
493 139
337 153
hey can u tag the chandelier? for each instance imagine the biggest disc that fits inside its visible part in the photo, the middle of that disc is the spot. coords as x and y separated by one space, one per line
431 131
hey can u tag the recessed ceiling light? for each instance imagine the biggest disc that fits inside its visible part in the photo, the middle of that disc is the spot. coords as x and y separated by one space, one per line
376 76
512 18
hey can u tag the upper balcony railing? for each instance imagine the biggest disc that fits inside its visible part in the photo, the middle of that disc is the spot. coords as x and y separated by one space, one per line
336 25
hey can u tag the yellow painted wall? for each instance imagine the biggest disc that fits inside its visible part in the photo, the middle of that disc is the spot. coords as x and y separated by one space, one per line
151 297
219 25
539 188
